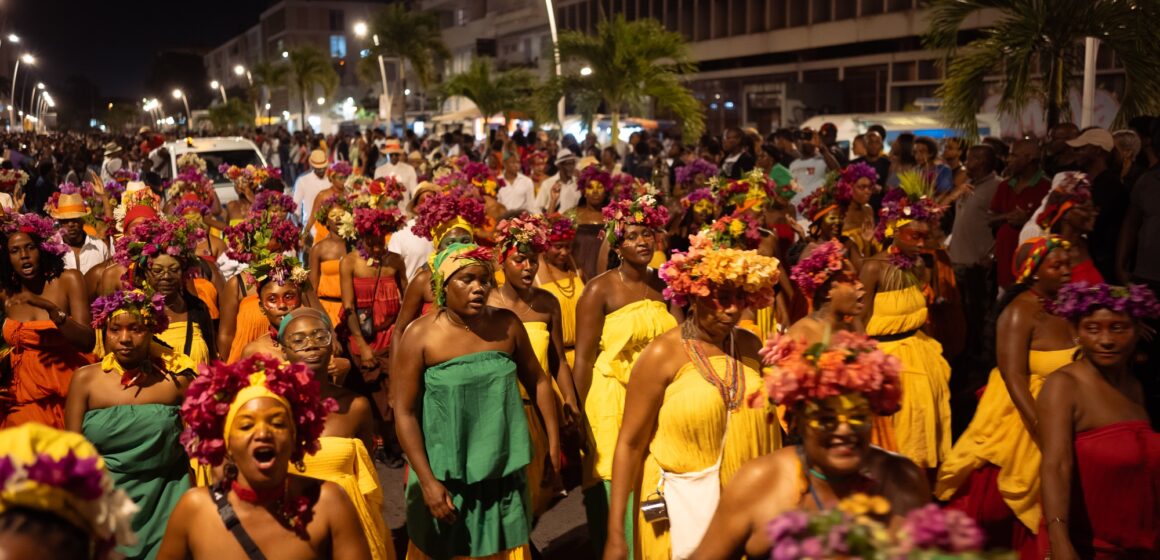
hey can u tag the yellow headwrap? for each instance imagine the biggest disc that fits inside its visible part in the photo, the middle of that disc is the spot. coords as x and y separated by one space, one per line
256 390
457 223
451 260
32 452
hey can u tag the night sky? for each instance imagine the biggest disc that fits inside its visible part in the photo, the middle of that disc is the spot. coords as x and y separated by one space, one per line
112 42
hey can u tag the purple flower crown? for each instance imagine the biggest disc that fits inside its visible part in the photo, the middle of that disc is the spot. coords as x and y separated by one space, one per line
850 177
151 308
443 207
686 173
41 229
698 195
340 168
271 200
1079 299
153 238
896 206
823 262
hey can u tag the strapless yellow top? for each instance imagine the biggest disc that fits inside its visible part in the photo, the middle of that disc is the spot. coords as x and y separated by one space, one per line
346 462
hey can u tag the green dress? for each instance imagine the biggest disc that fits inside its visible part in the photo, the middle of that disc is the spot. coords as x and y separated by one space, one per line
478 445
145 459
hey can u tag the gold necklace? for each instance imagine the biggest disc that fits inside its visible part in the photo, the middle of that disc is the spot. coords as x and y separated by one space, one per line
455 321
643 283
512 306
566 291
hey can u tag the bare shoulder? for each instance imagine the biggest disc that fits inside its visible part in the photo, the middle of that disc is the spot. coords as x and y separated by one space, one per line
544 301
770 471
85 374
72 277
664 355
748 344
1061 382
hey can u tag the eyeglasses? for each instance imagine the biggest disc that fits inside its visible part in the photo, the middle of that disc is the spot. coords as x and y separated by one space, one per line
829 422
320 338
162 272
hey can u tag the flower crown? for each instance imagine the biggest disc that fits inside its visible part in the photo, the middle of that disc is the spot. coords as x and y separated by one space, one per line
208 400
61 473
150 308
191 161
340 168
847 363
824 200
739 230
524 233
701 201
912 201
850 177
480 175
190 206
250 174
442 208
706 268
563 229
277 268
1078 299
594 174
644 211
42 229
529 159
249 240
823 262
10 179
191 181
627 187
333 202
273 201
688 172
371 223
153 238
752 190
377 193
1074 188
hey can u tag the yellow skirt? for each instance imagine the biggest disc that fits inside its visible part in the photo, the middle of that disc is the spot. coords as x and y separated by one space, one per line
345 462
922 428
518 553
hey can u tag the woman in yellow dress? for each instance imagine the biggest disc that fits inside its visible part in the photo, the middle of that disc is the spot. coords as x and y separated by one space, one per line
326 256
559 276
619 313
520 241
343 457
856 185
685 413
895 314
992 472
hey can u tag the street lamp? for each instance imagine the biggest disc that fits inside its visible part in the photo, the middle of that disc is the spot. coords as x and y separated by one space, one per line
218 86
556 56
27 59
321 100
32 98
361 30
240 71
586 71
13 38
178 94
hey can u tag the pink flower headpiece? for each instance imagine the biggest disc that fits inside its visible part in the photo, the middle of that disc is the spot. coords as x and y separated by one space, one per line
42 229
563 229
644 211
438 211
823 262
254 239
150 239
1079 299
850 176
150 308
688 172
912 201
340 168
847 363
706 268
524 233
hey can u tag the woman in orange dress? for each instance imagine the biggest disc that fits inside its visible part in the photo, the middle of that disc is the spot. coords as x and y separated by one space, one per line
326 256
47 321
337 173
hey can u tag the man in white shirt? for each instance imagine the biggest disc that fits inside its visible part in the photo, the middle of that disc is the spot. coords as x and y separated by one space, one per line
85 251
113 162
519 193
809 170
560 193
397 168
406 244
308 185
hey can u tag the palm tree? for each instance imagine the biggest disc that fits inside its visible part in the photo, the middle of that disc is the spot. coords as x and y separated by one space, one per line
1036 46
268 76
631 62
410 36
233 114
493 92
311 69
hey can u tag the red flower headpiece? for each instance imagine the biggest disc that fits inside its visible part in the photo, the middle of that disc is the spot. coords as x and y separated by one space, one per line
739 230
1071 189
524 233
251 240
823 262
150 239
563 229
439 210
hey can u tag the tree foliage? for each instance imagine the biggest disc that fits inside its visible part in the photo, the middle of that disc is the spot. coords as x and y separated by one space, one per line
231 115
632 63
269 76
492 91
1044 34
311 70
410 35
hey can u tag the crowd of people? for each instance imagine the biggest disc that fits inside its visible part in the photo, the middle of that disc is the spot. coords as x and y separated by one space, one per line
742 346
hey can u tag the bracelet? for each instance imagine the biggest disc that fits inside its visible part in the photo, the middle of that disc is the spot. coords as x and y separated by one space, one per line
1057 519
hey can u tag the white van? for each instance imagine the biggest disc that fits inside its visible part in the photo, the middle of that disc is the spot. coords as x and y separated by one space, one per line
217 150
928 123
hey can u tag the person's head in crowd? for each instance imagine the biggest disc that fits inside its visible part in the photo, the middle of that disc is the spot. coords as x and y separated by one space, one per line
874 143
1058 136
981 161
783 139
318 163
1092 149
566 164
1108 319
1128 147
954 149
828 134
858 146
733 140
925 151
903 150
1002 151
807 142
1024 159
767 156
633 139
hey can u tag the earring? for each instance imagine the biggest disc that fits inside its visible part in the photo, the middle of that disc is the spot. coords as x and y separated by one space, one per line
300 465
1075 339
1034 277
230 470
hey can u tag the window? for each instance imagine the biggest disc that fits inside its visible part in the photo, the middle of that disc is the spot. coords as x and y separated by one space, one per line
821 11
799 12
338 46
337 20
777 11
871 7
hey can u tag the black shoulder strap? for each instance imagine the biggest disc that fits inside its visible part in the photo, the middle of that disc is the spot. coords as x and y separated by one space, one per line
188 334
233 524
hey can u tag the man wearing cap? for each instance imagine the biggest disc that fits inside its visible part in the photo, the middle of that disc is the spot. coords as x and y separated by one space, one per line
308 185
828 134
1092 151
560 193
69 211
397 168
413 249
113 161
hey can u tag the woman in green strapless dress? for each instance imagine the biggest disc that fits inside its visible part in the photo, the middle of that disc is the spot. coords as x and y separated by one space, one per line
128 404
460 417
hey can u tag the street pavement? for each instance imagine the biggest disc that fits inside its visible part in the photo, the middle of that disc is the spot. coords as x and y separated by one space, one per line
561 534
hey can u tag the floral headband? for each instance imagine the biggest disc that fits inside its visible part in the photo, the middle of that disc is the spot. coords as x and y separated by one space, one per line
688 172
847 362
372 223
627 187
912 201
277 268
152 238
12 178
1079 299
480 176
751 191
190 161
822 201
41 229
446 210
150 308
563 229
272 201
250 174
739 230
644 211
594 175
1073 188
334 202
385 192
701 201
523 234
451 260
340 169
850 176
191 181
61 473
250 240
1040 248
823 262
215 396
706 268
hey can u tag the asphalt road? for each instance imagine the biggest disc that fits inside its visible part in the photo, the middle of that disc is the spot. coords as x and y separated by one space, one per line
561 534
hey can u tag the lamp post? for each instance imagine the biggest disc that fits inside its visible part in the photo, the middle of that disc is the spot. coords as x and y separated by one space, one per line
360 30
240 70
27 59
556 56
178 94
222 89
32 98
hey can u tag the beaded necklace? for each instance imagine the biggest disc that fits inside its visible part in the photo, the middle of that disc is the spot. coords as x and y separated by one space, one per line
732 386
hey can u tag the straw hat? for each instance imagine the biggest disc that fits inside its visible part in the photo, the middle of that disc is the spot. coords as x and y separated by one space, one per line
68 207
112 148
393 147
424 187
318 159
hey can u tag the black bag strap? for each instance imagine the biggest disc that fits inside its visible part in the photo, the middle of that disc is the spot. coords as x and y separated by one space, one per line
233 524
188 334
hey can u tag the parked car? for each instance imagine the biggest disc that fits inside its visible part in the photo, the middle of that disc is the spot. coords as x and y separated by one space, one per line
217 150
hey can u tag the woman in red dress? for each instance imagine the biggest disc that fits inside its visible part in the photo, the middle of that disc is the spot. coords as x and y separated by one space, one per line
1101 459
